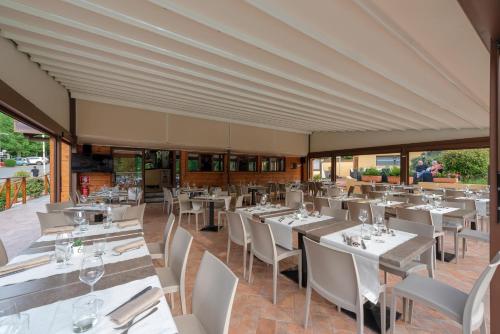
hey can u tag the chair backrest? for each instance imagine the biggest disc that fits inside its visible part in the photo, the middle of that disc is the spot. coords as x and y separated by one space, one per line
454 193
374 195
213 294
355 208
476 295
377 211
418 216
366 188
393 198
334 203
338 283
135 212
179 252
52 219
239 201
184 202
321 202
381 187
332 191
294 199
338 214
416 200
59 206
350 191
424 230
449 204
236 228
468 204
4 259
167 231
263 245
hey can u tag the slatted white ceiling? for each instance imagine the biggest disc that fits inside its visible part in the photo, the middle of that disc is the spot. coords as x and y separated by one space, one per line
323 65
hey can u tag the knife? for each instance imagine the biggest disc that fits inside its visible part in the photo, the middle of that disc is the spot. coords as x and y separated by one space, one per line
131 298
363 244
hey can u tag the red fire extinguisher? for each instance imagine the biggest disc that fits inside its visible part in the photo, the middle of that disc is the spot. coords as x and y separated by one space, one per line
84 183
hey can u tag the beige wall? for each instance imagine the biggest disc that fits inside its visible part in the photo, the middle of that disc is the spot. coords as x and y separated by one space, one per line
24 76
326 141
109 124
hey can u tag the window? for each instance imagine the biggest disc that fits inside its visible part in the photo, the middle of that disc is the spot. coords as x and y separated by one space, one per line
243 163
273 164
387 160
198 162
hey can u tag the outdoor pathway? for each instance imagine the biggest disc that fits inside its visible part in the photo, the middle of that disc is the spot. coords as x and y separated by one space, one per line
19 225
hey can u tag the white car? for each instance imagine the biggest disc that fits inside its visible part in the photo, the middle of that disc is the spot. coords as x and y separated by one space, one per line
36 160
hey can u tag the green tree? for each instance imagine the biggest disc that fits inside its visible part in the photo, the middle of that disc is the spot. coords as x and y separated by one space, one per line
470 164
15 143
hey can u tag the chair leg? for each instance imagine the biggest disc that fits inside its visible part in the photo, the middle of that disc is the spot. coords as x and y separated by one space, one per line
360 320
308 305
393 313
300 271
275 281
383 308
228 248
442 248
405 309
455 234
196 215
483 329
463 248
172 301
410 311
250 268
182 293
385 277
244 261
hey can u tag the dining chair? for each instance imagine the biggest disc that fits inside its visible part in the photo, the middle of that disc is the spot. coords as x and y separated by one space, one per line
135 212
4 258
158 250
350 191
423 262
454 193
320 202
239 202
223 210
212 302
186 207
335 203
238 234
166 199
52 219
332 191
393 198
337 214
454 225
265 249
59 206
246 195
294 199
173 275
138 200
366 188
377 211
423 217
375 195
355 208
466 309
333 274
381 187
469 234
417 200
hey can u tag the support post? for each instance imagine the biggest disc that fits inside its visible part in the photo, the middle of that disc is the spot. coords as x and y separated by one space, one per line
8 202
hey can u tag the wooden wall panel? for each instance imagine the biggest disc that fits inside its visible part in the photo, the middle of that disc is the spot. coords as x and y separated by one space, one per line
65 172
52 159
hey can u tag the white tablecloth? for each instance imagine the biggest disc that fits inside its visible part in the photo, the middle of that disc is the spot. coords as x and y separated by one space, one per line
51 268
367 260
57 317
436 214
93 230
282 230
481 205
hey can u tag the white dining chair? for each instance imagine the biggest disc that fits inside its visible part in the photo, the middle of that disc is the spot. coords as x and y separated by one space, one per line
59 206
186 207
265 249
335 203
223 210
320 202
52 219
213 296
466 309
135 212
355 208
293 199
333 274
239 202
238 234
173 276
4 258
337 214
158 250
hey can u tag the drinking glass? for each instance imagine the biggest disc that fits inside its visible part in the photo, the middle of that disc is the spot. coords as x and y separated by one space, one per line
11 321
86 313
63 245
100 247
92 270
379 224
84 225
78 217
109 218
363 217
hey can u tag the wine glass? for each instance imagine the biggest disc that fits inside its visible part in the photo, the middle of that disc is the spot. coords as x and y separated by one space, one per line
91 270
363 217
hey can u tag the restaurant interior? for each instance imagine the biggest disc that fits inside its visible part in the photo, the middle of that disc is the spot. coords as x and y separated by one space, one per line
253 166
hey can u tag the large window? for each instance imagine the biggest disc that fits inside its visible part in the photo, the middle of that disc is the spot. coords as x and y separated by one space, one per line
272 164
243 163
450 166
388 160
202 162
321 168
378 167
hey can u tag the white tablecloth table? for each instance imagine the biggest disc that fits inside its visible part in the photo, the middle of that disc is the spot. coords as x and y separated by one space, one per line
436 214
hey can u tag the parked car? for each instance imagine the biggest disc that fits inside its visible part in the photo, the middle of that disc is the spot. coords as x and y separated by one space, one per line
21 161
36 160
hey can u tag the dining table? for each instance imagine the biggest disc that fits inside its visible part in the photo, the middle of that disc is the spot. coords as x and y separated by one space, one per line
47 293
254 189
211 200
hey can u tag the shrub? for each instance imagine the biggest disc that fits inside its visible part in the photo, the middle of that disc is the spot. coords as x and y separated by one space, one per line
10 163
372 171
467 163
395 171
316 177
34 187
22 173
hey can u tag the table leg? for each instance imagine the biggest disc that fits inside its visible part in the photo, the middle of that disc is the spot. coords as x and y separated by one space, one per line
293 273
211 226
253 196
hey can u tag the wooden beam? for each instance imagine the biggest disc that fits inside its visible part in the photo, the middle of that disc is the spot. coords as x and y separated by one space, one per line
485 17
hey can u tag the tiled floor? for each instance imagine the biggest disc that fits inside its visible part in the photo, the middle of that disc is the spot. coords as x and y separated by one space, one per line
253 311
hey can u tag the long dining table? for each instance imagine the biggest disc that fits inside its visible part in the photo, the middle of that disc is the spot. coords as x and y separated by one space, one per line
47 293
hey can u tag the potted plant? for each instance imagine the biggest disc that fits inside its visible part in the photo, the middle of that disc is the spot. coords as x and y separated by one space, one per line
445 178
394 175
77 247
371 174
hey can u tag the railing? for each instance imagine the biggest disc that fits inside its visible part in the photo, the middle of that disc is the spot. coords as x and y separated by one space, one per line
14 188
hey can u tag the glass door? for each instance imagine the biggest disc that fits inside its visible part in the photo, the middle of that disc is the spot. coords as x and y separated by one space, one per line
128 169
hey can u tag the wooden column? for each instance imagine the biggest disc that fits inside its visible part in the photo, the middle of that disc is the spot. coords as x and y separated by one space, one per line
333 175
7 193
404 164
494 186
23 189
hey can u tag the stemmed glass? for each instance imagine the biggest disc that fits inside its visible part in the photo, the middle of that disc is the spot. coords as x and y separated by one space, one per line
363 217
92 270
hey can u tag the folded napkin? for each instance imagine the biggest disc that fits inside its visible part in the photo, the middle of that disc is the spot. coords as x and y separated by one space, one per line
129 246
37 261
127 223
59 229
136 306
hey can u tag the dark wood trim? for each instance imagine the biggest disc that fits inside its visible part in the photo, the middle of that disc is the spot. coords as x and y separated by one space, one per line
477 142
485 17
494 172
23 110
72 119
333 170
